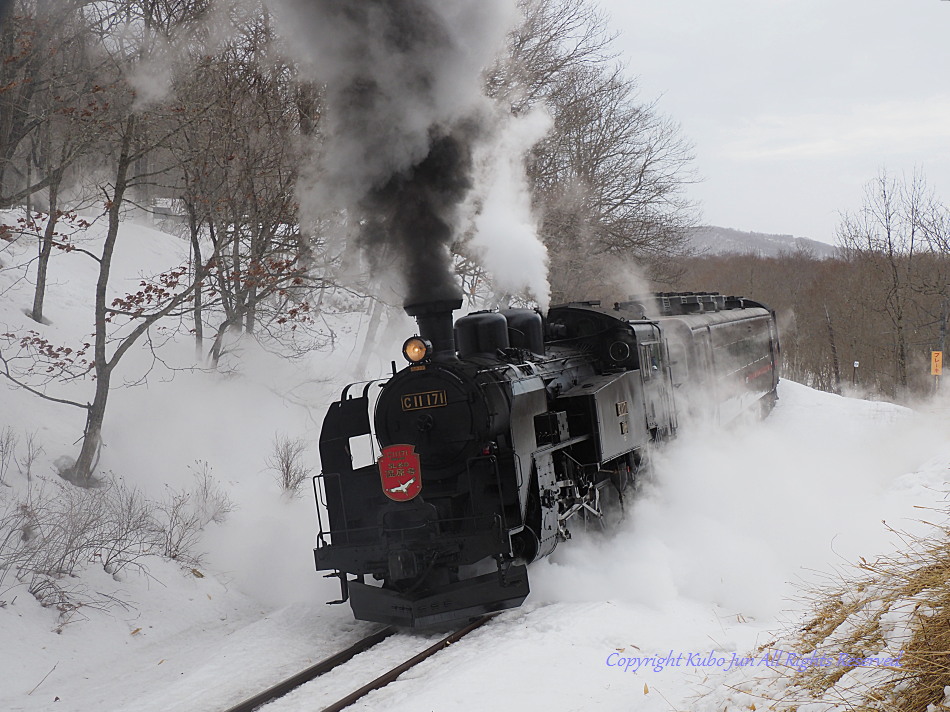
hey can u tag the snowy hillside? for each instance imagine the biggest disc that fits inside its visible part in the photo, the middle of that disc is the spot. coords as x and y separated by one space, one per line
711 240
712 558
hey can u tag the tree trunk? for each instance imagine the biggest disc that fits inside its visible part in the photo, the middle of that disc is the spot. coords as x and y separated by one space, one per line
197 266
46 249
92 434
836 372
250 312
92 437
901 355
376 314
217 346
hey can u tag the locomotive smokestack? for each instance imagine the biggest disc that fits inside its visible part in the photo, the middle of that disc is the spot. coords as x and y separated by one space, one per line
435 325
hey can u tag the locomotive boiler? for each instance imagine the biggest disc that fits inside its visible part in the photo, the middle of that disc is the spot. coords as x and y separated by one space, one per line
441 483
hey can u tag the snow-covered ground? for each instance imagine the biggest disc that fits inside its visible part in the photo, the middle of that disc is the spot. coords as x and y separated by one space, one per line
712 559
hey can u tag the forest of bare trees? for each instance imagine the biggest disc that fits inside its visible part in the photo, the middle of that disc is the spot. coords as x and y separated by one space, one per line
883 302
199 110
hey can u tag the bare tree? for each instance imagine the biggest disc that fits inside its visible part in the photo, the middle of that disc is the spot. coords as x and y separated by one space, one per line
886 236
129 133
50 97
607 181
218 131
240 163
555 37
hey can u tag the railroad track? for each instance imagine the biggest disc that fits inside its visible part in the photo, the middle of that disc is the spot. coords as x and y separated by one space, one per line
335 661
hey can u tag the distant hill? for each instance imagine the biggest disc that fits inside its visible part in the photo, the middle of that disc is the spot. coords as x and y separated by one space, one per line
723 240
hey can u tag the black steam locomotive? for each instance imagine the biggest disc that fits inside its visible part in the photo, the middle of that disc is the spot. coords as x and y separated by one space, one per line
503 429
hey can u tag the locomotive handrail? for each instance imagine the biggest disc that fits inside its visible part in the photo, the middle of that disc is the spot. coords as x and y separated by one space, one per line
545 449
494 462
323 476
346 389
519 479
317 502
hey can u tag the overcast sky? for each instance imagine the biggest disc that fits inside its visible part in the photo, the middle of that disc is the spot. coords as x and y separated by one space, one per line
793 105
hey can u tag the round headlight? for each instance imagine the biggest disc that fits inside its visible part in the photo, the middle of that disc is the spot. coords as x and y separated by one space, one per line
416 349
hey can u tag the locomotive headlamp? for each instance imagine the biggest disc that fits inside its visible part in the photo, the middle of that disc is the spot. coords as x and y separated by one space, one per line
416 349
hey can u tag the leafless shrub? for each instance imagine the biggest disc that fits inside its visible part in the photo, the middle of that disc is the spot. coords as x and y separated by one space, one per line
214 501
48 535
26 460
60 528
129 531
8 445
286 462
185 514
44 537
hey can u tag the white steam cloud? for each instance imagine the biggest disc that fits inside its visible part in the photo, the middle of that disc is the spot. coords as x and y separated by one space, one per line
409 134
506 236
739 518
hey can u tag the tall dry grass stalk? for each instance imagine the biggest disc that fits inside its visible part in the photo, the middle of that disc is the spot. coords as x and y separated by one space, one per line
895 607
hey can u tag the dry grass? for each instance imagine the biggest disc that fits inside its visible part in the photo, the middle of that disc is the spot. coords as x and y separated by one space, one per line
920 579
898 605
926 664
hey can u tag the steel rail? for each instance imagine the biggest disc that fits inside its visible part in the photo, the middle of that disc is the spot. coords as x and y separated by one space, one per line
312 672
334 661
390 676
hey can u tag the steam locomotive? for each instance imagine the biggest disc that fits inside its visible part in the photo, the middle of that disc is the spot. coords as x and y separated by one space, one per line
505 429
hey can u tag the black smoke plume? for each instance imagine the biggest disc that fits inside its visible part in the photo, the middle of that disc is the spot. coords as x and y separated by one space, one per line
403 104
413 216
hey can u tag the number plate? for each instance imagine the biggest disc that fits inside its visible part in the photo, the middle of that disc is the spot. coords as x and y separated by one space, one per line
429 399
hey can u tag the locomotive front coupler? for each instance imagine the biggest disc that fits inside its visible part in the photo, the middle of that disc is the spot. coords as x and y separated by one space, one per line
407 564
